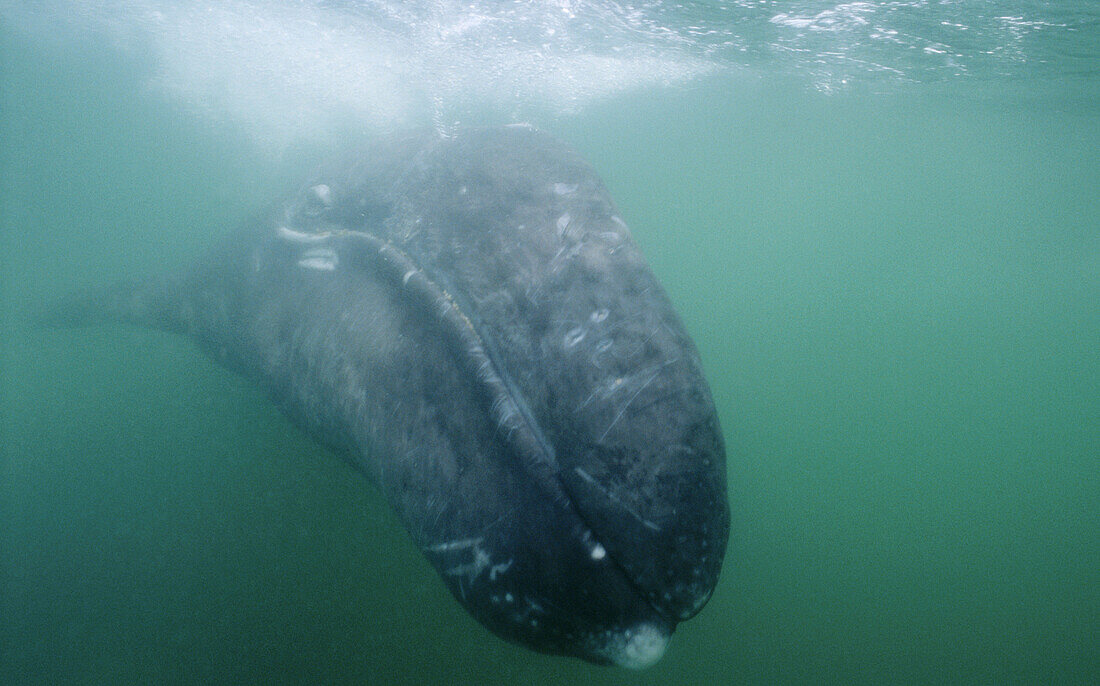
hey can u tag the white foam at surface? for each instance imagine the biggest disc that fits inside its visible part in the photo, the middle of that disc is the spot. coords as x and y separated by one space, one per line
289 69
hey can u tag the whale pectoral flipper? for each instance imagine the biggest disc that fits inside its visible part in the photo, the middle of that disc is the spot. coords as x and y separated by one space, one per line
141 302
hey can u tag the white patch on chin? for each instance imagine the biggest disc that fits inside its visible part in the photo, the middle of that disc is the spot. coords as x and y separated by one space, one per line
637 647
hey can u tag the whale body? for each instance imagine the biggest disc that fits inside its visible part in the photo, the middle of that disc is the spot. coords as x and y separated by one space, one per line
467 320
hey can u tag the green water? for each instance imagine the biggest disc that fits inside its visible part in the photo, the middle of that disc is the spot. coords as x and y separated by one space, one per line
894 289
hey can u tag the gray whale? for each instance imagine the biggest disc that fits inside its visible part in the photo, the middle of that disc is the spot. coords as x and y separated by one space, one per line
468 322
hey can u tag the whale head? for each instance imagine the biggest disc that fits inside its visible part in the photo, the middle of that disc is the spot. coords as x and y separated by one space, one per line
562 466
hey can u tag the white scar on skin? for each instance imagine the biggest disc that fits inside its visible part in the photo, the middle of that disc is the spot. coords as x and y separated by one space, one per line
322 259
300 237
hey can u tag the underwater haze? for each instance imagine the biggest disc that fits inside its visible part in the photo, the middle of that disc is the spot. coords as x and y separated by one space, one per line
880 222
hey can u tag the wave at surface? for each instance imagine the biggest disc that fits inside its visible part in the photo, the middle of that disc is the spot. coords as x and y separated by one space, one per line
292 67
288 68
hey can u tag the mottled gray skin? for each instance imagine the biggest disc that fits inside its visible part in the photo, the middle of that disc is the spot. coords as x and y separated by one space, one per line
468 321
